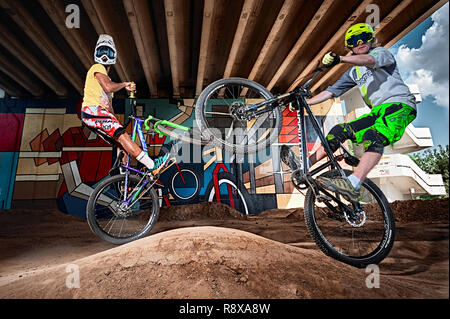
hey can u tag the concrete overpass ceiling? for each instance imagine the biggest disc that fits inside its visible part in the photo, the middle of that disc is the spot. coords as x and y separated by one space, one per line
173 48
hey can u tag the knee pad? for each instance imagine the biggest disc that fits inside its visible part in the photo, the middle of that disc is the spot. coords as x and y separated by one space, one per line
374 141
339 134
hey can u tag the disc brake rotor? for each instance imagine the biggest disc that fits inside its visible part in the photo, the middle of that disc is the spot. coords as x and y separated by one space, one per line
236 110
358 218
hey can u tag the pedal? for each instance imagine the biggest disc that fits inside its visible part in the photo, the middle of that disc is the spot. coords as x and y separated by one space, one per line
284 154
288 157
299 176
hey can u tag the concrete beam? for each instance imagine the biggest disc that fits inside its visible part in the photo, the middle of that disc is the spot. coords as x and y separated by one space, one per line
56 11
35 32
245 26
337 37
341 68
11 88
10 42
208 18
15 73
272 39
173 16
144 37
304 38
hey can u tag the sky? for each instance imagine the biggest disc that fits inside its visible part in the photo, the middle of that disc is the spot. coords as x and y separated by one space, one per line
423 59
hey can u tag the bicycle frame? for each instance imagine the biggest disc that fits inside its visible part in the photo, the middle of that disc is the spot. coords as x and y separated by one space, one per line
302 106
138 133
298 97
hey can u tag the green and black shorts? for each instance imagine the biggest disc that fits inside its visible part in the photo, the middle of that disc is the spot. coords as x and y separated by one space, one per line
384 125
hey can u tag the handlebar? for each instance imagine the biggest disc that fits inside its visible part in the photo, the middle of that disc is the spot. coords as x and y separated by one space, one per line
158 122
317 70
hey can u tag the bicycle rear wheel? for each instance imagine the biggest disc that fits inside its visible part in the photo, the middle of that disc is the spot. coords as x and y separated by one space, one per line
358 236
115 222
218 114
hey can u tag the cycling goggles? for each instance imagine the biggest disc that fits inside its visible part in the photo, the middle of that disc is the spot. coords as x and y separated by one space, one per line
364 37
104 50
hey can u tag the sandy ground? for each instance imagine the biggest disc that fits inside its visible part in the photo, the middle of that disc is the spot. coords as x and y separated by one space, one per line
209 251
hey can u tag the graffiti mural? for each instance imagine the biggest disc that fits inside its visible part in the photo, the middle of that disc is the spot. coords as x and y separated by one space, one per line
45 154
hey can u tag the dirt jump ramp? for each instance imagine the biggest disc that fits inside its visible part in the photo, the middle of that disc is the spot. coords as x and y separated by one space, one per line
203 262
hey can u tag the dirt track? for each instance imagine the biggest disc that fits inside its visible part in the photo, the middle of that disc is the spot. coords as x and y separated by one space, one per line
209 251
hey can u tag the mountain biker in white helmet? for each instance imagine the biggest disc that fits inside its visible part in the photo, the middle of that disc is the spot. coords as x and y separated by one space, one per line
97 111
374 70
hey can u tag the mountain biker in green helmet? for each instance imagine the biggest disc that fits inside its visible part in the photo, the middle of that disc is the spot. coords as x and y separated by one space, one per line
374 70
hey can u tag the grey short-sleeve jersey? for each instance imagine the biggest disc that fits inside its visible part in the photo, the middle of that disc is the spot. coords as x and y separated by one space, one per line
378 84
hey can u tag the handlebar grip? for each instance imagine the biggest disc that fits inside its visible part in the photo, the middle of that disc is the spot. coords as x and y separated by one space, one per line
132 95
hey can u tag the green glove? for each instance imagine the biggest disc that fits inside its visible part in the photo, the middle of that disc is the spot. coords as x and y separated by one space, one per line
331 59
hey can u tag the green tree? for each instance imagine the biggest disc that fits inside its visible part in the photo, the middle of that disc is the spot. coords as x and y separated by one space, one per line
434 161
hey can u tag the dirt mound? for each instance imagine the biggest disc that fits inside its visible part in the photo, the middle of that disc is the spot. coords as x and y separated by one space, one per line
421 210
206 210
430 210
205 262
208 250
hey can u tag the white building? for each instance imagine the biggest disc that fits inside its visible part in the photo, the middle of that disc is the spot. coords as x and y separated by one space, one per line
397 174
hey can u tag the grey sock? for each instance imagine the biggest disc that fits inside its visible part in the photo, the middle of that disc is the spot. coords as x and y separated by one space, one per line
356 182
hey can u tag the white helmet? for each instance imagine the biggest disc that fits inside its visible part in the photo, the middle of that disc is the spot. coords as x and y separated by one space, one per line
105 50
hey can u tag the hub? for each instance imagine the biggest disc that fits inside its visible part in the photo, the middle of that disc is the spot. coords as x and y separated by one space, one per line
357 218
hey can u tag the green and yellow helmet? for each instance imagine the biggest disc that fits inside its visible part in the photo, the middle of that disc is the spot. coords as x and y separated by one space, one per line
360 32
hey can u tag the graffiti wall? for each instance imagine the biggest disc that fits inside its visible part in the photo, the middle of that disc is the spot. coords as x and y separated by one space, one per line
45 154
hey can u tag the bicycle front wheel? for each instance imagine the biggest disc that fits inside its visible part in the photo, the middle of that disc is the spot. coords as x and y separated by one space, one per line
220 117
118 220
358 234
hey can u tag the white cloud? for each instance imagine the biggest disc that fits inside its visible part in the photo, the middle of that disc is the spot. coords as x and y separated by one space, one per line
428 65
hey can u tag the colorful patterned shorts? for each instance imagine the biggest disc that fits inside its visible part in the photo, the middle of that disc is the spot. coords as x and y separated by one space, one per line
99 118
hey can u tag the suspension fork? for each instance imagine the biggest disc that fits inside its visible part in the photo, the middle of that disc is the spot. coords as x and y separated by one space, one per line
301 136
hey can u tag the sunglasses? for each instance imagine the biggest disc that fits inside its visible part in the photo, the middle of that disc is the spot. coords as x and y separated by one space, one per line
354 40
104 50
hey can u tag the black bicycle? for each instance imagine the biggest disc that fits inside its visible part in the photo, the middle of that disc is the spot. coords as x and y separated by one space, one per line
244 117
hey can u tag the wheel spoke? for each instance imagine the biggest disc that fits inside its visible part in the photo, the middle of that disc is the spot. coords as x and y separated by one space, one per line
116 222
216 113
